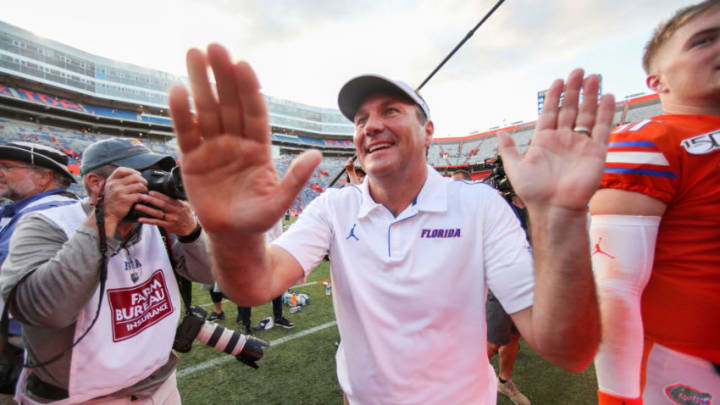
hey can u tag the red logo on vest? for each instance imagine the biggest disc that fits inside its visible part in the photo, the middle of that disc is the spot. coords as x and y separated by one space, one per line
135 309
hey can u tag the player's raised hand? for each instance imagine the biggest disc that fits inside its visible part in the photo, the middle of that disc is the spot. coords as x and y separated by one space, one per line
226 161
565 161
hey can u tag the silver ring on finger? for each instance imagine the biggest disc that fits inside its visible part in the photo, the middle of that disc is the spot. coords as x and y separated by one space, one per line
163 217
581 129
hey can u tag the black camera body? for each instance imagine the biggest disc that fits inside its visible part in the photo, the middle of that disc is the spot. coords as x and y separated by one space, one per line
188 329
168 183
246 349
499 179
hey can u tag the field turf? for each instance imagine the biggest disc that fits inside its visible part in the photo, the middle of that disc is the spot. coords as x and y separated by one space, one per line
299 367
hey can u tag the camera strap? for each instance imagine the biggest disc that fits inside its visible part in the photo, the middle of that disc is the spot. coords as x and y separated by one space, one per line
184 285
4 325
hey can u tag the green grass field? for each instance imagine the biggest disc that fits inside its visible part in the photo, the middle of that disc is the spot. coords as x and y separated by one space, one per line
299 367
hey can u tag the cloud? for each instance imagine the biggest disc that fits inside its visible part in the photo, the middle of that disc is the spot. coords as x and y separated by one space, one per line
304 50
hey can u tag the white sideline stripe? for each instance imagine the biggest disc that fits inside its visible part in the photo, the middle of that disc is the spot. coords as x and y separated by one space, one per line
305 285
295 286
224 359
302 333
643 158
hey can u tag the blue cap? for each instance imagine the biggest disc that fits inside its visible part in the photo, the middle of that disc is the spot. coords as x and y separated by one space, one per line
123 152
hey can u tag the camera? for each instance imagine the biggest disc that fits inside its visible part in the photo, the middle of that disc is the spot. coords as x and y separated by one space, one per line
499 179
168 183
246 349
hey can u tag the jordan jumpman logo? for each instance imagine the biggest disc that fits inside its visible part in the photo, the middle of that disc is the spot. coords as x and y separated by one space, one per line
598 249
352 233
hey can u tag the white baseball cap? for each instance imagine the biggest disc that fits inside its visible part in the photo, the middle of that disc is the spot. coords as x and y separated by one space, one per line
355 91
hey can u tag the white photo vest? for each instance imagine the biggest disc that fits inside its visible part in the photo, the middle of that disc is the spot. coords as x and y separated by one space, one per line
136 326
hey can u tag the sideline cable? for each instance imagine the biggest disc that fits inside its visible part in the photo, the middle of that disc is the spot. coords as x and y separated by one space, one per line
469 34
437 68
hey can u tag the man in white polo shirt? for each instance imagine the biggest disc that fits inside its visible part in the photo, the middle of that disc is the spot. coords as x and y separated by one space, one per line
412 253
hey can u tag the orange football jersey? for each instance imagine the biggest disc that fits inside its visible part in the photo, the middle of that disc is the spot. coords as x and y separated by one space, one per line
676 159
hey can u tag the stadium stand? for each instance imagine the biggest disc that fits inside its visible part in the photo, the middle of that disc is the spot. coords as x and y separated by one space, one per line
67 98
642 112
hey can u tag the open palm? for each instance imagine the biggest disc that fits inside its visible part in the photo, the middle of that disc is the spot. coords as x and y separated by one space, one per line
226 159
563 165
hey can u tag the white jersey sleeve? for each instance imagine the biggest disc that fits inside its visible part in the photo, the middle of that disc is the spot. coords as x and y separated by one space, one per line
508 259
308 239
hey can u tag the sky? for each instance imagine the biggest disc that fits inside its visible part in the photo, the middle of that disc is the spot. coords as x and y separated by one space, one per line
305 50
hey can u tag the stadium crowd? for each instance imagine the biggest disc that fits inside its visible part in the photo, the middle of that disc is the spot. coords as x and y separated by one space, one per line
606 249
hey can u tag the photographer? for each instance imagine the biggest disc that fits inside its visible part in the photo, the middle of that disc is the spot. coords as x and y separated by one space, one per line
51 281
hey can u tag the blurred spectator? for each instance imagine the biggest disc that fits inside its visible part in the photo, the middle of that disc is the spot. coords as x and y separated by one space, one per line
33 177
503 336
356 174
216 296
244 313
461 174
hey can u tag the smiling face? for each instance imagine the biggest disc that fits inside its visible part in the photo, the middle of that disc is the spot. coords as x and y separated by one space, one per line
686 69
389 138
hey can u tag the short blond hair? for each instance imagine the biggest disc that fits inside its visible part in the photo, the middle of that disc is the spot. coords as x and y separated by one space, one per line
666 29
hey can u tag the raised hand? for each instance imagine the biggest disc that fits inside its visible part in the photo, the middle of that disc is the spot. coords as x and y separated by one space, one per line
226 159
564 164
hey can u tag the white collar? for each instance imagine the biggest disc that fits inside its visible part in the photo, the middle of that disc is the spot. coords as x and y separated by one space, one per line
432 196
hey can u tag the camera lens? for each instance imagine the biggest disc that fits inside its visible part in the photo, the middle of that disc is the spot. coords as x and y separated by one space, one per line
168 183
222 339
177 185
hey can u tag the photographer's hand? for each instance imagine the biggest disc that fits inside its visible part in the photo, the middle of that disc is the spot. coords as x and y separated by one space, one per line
174 215
123 188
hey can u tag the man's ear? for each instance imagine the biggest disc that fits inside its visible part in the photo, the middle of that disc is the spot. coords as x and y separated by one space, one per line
43 177
656 83
429 128
95 183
